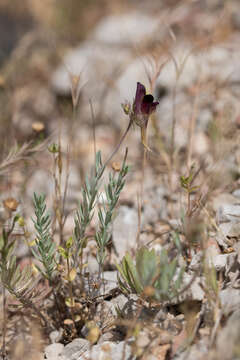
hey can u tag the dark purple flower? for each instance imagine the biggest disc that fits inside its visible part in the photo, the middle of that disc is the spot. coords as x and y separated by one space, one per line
143 106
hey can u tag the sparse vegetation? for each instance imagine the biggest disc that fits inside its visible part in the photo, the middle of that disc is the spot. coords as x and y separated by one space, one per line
134 252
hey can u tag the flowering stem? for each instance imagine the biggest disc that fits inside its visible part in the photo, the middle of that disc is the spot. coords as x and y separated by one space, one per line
144 139
117 147
140 198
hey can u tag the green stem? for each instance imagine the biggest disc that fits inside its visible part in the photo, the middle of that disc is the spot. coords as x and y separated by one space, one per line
116 149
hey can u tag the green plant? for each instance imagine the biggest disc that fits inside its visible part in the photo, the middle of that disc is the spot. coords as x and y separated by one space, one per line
151 276
83 217
85 211
45 250
19 282
59 217
105 214
187 185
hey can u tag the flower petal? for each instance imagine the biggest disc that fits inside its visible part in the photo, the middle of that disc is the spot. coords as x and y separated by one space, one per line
147 102
140 94
154 106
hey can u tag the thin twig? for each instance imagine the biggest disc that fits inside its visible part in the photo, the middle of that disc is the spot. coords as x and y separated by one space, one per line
93 129
192 125
116 149
4 323
16 155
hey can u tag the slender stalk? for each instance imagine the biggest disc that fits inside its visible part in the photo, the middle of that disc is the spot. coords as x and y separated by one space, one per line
116 148
139 202
188 203
140 197
94 130
66 186
4 329
70 287
74 120
172 146
57 303
191 130
173 126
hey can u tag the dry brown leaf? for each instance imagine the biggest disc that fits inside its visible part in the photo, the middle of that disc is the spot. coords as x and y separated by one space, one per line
161 351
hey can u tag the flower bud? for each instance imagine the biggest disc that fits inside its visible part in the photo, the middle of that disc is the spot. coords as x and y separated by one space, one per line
54 148
126 107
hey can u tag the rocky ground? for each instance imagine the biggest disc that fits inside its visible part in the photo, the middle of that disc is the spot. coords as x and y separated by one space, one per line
187 54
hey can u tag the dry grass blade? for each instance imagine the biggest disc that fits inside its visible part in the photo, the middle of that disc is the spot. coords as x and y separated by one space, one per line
17 154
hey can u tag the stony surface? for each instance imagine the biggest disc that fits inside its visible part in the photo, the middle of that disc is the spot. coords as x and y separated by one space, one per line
54 351
230 334
125 230
108 350
75 349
